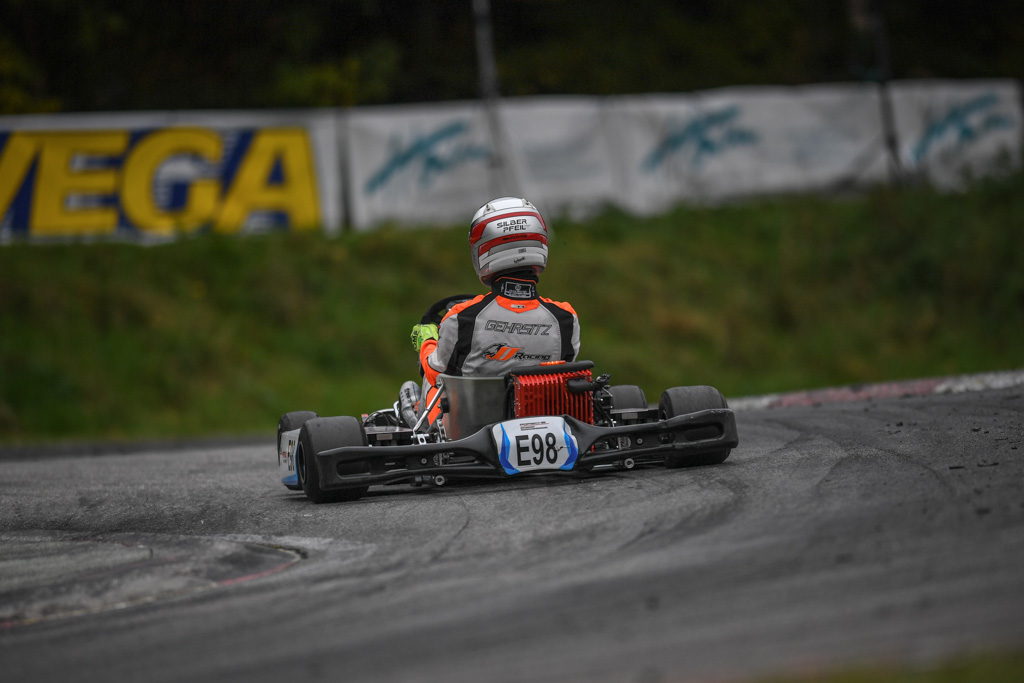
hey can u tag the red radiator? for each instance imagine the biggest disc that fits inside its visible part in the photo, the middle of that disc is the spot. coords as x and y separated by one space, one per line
546 394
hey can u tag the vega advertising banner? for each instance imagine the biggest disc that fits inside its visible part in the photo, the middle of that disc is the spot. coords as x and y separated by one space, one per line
744 141
155 175
949 131
418 165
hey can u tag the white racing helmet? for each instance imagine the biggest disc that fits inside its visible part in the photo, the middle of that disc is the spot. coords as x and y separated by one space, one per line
507 233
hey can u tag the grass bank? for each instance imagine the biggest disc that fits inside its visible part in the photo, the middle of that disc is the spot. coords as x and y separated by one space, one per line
216 335
1006 667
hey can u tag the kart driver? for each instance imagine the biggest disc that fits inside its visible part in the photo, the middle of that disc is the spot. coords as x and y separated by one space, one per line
511 326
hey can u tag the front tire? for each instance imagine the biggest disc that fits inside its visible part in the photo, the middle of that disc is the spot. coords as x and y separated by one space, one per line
682 401
321 434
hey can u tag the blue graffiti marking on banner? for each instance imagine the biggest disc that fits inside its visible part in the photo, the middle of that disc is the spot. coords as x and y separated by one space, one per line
709 135
957 121
426 150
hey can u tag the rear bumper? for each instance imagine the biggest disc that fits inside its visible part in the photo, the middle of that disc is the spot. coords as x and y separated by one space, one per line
475 456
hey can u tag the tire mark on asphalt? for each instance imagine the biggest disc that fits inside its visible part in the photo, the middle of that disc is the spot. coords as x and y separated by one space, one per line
171 562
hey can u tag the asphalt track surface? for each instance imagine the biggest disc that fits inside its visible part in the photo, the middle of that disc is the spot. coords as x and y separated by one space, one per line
859 532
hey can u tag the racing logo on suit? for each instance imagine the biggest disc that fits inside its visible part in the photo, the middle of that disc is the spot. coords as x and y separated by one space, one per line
500 352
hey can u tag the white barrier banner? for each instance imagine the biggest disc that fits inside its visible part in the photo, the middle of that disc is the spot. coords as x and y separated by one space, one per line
433 164
744 141
951 130
159 174
561 152
418 165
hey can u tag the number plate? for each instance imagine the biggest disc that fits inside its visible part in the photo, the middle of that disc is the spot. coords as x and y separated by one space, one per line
286 451
531 444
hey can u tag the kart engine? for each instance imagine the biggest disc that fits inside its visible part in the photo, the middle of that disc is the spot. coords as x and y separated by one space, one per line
554 393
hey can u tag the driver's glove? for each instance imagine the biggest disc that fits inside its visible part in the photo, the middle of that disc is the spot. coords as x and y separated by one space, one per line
421 333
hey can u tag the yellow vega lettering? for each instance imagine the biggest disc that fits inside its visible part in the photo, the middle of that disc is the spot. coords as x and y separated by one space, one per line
18 154
251 190
66 188
141 167
57 180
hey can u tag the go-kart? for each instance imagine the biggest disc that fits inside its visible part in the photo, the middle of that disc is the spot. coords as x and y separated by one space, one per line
553 418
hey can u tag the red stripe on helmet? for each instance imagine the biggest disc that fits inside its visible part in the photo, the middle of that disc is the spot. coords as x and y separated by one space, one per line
477 230
505 239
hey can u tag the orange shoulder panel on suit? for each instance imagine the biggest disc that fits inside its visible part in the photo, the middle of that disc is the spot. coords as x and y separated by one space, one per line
564 305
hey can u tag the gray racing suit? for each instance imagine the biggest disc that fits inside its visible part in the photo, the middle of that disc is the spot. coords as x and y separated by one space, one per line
509 327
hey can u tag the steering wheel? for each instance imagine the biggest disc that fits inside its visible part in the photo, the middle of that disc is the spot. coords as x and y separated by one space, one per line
437 309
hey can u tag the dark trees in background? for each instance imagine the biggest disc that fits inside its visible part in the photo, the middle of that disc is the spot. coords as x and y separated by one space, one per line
70 55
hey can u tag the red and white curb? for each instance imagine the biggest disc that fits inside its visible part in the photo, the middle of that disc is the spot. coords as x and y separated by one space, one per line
863 392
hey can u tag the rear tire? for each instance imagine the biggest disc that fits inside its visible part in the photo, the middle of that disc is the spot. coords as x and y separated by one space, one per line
321 434
288 422
628 397
685 400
